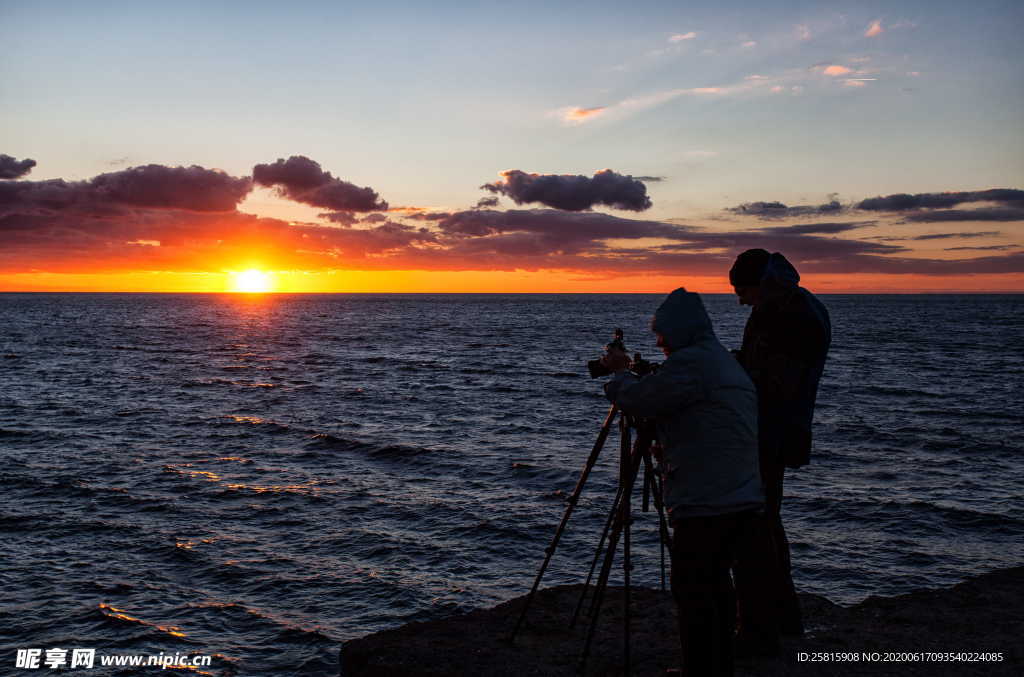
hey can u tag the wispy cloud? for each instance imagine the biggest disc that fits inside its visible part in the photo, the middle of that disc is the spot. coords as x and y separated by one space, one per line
991 247
899 202
579 115
637 104
679 37
874 29
949 236
793 81
836 70
778 210
998 214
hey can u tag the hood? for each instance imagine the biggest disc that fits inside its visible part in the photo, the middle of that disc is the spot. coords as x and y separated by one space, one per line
682 320
779 272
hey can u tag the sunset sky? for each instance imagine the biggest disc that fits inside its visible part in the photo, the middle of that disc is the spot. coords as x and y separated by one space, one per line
500 147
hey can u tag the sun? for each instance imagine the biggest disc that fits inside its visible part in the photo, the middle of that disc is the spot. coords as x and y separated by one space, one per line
253 281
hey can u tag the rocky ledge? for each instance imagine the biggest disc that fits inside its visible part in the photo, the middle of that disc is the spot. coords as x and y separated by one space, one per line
979 616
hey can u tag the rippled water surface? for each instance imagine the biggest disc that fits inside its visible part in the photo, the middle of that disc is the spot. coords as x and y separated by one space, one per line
261 478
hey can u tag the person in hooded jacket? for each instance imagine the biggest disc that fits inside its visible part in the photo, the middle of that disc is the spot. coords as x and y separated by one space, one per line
785 343
705 410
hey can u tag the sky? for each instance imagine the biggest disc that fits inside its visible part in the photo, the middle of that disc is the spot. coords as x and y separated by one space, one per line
534 147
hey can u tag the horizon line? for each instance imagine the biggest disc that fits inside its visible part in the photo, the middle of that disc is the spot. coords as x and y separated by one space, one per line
922 292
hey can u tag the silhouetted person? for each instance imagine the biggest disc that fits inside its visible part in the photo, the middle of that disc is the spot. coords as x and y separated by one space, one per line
617 341
705 410
784 347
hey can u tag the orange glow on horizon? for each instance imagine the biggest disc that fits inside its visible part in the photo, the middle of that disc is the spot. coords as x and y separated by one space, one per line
418 281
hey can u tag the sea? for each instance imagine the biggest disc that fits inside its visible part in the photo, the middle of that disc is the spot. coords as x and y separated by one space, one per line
258 478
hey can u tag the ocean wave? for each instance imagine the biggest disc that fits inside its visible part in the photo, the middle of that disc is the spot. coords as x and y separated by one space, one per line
913 514
320 441
265 425
894 391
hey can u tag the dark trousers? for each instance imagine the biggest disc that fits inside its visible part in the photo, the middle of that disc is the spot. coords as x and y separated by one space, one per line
703 549
766 597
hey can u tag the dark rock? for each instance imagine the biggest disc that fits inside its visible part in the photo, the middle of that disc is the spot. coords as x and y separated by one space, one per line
982 615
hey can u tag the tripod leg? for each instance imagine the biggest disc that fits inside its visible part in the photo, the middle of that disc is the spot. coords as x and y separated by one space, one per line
666 538
627 564
648 484
550 550
662 559
617 527
627 476
597 555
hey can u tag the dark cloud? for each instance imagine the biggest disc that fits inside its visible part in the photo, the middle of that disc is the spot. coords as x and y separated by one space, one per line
343 218
429 216
818 228
156 186
73 240
892 265
565 225
360 242
373 218
300 179
983 214
778 210
172 187
903 201
946 236
12 168
548 234
991 247
805 247
487 202
650 179
573 193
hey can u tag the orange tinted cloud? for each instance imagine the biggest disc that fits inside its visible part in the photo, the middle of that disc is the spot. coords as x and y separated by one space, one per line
874 29
835 71
582 114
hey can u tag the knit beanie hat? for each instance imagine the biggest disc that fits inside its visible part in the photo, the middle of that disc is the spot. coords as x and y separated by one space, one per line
749 268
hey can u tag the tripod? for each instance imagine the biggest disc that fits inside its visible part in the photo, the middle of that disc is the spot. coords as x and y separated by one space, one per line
617 525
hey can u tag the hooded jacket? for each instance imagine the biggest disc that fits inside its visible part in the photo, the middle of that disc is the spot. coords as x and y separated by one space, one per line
705 410
785 343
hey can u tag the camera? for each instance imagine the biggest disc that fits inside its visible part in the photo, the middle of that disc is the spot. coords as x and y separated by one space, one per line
595 367
638 366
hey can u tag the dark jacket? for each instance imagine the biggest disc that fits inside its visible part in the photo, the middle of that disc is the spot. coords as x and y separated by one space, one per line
705 409
785 343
